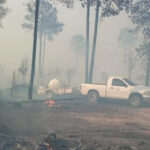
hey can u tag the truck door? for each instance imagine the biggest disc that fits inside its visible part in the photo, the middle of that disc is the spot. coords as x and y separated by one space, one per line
118 89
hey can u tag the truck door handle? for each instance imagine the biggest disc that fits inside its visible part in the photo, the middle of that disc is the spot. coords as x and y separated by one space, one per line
111 87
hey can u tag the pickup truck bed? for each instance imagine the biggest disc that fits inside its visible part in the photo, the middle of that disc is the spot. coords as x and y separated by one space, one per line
86 88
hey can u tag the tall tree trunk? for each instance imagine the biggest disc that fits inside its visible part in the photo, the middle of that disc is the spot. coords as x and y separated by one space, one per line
69 77
87 42
13 83
94 41
130 67
147 71
76 65
130 73
43 59
30 91
40 56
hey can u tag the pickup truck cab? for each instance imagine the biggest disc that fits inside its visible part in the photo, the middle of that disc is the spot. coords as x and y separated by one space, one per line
117 88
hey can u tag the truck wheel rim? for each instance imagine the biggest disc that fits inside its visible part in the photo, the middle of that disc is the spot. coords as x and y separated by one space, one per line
135 102
93 97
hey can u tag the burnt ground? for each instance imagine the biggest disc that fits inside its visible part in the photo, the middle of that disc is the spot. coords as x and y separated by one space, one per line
103 126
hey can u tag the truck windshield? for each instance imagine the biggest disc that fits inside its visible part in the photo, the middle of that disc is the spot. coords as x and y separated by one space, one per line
130 82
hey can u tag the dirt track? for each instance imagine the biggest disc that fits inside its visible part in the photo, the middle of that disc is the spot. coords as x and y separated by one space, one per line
106 125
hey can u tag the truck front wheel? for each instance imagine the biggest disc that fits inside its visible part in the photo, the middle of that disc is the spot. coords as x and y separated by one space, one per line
93 96
135 100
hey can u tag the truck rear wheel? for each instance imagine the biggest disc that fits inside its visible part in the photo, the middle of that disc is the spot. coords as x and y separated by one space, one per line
93 96
135 100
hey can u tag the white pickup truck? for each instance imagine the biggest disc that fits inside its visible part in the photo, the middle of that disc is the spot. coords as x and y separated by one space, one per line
117 88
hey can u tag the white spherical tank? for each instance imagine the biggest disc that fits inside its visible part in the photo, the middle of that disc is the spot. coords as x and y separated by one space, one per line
54 85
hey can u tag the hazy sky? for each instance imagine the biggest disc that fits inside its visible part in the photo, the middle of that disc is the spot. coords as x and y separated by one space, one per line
15 43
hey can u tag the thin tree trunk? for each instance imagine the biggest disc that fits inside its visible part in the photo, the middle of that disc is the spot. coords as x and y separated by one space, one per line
130 74
69 77
94 42
130 68
76 66
43 58
13 83
30 91
87 42
147 71
40 56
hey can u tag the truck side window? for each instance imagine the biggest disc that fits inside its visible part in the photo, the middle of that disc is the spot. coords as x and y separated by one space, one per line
118 82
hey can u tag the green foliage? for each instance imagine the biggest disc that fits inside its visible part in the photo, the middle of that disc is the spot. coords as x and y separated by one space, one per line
144 49
110 7
78 44
140 15
3 11
48 21
24 66
68 3
127 37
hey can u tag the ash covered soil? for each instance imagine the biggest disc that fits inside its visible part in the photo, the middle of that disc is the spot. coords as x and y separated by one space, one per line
103 126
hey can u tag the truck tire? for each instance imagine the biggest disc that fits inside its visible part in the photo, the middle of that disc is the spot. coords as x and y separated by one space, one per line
135 100
93 96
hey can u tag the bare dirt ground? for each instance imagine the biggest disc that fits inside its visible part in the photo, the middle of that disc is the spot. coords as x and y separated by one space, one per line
102 126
